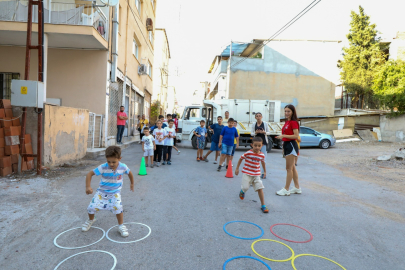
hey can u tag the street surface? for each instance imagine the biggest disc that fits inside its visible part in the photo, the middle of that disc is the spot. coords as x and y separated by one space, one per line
358 224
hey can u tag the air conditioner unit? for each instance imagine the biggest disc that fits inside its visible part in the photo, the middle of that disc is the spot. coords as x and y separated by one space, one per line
142 70
149 24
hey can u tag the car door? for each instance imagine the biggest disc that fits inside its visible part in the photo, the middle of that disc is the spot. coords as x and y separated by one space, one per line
309 137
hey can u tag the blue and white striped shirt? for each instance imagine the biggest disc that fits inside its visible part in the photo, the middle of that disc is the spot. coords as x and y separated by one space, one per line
111 181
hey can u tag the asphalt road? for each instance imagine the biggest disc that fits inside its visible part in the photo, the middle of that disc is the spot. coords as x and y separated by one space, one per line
357 224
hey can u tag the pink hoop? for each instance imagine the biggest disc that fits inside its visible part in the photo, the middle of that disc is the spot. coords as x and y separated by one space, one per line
271 230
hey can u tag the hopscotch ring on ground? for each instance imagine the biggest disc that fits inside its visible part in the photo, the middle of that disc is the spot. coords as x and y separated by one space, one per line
56 244
119 242
243 238
248 257
112 255
286 260
310 234
313 255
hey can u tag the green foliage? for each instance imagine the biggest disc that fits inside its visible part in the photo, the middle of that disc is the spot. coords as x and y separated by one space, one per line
389 86
258 55
363 58
155 109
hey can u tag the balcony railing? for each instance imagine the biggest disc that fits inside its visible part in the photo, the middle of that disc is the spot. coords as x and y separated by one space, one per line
57 13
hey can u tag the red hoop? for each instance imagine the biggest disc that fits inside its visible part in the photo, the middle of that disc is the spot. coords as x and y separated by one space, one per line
271 230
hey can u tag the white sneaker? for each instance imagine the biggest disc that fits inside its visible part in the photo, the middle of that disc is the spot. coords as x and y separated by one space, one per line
223 164
283 192
123 230
215 162
178 152
295 190
87 225
232 165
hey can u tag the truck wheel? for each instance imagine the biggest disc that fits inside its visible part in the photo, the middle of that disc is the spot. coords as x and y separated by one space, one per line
269 144
194 142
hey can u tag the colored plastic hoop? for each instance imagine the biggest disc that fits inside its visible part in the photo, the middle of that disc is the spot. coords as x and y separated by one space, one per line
286 260
243 238
301 255
248 257
112 255
271 230
56 244
150 230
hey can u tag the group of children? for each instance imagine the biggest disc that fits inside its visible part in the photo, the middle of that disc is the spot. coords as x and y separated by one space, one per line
159 141
225 139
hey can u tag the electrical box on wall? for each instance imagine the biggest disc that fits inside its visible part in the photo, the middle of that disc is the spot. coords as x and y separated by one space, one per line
27 93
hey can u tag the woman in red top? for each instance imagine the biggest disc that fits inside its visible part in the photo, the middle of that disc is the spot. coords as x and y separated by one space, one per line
290 134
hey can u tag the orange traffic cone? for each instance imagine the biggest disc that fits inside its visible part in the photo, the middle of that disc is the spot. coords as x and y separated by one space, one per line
229 172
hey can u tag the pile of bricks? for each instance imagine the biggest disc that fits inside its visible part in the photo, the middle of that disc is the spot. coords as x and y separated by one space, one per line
10 134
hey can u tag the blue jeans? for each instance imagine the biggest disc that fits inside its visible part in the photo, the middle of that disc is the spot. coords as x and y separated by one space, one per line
120 132
233 150
264 151
214 147
227 149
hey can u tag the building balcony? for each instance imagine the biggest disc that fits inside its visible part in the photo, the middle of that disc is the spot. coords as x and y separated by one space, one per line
69 24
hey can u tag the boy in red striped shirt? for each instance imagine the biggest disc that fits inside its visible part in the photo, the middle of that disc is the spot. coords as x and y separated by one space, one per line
251 171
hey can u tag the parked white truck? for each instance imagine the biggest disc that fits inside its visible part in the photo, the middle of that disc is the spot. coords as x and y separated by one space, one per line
242 110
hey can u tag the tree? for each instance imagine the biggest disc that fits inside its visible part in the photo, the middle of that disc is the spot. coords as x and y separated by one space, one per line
362 59
389 86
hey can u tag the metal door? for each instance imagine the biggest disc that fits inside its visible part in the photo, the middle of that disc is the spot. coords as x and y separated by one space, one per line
241 113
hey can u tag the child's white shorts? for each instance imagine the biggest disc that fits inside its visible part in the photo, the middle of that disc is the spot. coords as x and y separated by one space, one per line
148 152
248 180
110 202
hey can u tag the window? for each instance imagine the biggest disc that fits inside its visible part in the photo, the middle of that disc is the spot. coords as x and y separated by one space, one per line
138 6
135 49
5 84
151 37
306 131
153 4
150 69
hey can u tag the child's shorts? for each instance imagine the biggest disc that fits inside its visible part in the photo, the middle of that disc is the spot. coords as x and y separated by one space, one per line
148 152
200 144
101 201
227 149
233 150
248 180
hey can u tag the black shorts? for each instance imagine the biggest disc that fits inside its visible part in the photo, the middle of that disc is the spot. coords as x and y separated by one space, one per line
290 148
174 141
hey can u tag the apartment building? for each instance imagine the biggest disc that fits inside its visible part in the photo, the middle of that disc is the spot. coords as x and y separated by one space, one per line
95 57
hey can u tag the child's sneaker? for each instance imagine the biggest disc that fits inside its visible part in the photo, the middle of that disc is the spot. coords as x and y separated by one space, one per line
87 225
283 192
169 163
295 190
206 159
123 230
264 209
178 152
198 159
152 165
215 162
146 165
241 194
157 164
219 168
164 163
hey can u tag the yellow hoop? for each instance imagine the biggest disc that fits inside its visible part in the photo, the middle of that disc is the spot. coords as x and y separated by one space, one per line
300 255
292 251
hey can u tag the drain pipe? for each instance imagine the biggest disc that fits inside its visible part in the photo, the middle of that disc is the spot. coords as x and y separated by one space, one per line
114 45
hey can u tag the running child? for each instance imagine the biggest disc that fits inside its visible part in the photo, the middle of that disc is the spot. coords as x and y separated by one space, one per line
148 146
235 124
108 194
227 141
216 132
169 141
160 135
251 171
201 133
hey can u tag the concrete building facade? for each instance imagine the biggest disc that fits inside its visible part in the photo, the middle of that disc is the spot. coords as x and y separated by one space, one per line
270 75
90 62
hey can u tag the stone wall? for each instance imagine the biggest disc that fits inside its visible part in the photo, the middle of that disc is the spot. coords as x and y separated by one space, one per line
392 129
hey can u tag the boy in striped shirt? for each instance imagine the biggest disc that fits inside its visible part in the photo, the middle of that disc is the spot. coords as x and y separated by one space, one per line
108 194
251 171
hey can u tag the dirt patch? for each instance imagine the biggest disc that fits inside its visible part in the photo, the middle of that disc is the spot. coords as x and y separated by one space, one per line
358 160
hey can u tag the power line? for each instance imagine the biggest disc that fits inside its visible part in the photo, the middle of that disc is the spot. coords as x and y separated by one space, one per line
281 30
133 14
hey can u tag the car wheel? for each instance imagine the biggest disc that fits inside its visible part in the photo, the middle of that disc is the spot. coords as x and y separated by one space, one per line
269 144
194 142
324 144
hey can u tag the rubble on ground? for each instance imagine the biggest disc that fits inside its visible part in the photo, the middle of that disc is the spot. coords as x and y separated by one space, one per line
398 154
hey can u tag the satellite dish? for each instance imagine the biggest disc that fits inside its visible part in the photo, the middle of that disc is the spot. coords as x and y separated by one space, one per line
110 2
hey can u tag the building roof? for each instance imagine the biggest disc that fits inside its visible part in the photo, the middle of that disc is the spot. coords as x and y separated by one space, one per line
167 40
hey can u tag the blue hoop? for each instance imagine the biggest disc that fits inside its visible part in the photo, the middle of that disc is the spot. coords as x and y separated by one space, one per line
243 238
248 257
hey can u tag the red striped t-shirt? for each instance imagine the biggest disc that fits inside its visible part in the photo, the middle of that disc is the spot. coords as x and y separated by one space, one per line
252 163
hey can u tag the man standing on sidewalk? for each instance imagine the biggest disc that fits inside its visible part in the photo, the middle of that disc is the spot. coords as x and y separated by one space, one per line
121 120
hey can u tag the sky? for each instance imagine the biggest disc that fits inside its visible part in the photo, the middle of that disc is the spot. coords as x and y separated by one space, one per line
199 30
